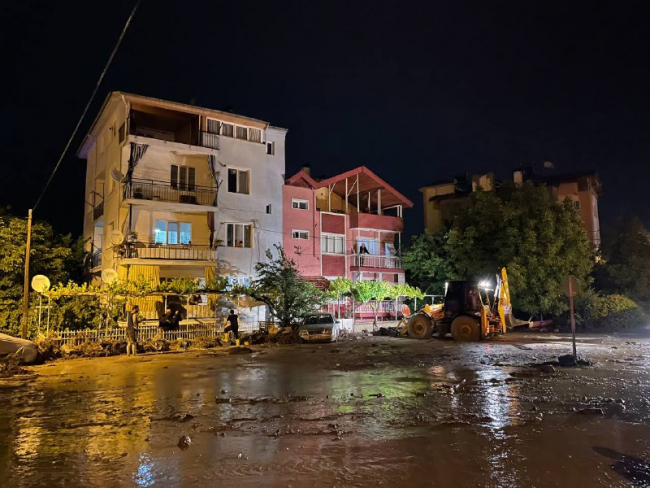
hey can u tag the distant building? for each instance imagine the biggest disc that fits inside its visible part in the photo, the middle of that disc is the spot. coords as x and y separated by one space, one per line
327 222
444 199
175 190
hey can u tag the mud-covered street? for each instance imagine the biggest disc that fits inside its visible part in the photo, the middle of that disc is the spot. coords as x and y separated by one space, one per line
366 411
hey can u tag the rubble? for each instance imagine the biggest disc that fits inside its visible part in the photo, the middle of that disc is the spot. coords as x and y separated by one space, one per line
184 442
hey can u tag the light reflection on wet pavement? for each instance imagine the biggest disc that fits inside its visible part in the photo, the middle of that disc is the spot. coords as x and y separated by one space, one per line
367 412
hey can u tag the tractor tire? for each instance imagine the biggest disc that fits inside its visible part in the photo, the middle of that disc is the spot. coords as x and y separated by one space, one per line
420 327
465 328
442 330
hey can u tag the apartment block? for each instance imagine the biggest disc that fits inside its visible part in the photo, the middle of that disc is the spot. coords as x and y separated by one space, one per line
328 222
444 199
175 190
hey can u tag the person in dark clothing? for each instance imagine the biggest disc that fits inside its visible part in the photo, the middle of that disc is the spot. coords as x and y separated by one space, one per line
132 321
233 324
363 249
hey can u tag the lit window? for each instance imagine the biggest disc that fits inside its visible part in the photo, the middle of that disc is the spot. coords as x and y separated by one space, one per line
239 235
238 181
170 233
300 234
299 204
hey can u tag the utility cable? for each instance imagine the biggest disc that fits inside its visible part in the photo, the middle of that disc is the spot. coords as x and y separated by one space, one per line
92 97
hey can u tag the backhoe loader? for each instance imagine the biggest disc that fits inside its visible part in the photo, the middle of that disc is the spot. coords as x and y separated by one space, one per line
471 311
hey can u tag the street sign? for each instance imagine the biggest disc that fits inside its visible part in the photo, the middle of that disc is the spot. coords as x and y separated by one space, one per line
571 286
40 283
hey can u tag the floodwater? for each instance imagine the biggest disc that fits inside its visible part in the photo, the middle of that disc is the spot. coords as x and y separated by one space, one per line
365 412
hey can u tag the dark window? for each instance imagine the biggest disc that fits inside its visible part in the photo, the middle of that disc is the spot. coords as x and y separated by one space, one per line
232 180
268 208
270 148
174 177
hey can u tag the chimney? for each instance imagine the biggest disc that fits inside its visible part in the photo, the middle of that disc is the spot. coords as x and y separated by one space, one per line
307 169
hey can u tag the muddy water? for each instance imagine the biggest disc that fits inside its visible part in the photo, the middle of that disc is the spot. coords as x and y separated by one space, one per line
367 412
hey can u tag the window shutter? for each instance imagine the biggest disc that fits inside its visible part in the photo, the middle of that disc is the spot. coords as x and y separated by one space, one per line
174 177
191 178
243 182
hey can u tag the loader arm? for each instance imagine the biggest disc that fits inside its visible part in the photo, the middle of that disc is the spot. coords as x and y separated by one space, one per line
504 305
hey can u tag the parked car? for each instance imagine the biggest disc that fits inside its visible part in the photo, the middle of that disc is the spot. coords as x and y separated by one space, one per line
319 327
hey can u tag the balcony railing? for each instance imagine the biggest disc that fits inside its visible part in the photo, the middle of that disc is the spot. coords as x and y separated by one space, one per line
376 261
168 192
181 252
194 137
98 210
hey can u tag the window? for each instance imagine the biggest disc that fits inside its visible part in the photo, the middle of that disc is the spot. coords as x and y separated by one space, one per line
270 148
226 129
238 181
213 126
576 204
299 204
172 232
300 234
242 133
332 244
239 235
268 209
183 178
255 135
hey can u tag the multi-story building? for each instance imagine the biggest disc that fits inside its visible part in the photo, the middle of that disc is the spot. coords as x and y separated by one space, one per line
326 222
175 190
444 199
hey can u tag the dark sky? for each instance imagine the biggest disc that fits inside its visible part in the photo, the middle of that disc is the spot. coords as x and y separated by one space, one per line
416 91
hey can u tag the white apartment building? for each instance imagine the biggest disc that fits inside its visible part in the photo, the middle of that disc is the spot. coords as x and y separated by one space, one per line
175 190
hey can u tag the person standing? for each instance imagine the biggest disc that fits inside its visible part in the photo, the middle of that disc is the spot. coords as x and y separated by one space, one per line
233 321
132 322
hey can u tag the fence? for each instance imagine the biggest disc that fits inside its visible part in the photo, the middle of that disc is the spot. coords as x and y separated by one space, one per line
151 331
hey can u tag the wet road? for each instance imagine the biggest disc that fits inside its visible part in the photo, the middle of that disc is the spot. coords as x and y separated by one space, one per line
365 412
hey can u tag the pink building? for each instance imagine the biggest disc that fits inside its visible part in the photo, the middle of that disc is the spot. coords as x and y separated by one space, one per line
327 223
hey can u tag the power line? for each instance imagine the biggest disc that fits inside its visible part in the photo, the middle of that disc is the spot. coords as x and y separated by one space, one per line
90 100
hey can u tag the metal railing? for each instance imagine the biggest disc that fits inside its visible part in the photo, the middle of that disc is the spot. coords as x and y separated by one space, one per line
376 261
181 252
98 210
208 139
195 138
96 258
168 192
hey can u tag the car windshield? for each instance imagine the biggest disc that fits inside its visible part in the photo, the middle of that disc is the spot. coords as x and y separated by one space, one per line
319 319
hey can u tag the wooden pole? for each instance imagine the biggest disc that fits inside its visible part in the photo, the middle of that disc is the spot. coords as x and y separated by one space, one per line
573 321
28 248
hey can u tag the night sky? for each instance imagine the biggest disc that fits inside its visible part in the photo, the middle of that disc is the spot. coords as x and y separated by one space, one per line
416 91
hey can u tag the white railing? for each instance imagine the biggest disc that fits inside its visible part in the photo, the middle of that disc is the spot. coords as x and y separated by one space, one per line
376 261
150 332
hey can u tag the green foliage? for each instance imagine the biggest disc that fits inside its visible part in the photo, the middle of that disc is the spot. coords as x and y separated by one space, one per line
427 261
626 265
279 286
339 287
370 292
51 255
605 313
524 228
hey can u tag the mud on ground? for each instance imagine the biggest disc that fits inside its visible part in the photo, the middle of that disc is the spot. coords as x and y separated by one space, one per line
363 412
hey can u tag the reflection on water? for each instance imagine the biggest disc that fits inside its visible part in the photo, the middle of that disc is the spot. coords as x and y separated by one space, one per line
295 420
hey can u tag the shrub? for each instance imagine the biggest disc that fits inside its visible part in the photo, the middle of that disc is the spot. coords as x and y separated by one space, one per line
605 313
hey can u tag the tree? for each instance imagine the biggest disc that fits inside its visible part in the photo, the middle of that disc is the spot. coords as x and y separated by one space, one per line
539 239
371 292
625 268
339 288
427 261
51 255
279 287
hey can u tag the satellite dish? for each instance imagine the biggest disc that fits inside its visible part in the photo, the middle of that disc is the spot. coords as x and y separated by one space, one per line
109 275
40 283
116 237
117 175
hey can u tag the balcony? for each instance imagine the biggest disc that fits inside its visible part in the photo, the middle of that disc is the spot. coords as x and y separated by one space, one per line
171 252
376 222
181 193
98 210
376 261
